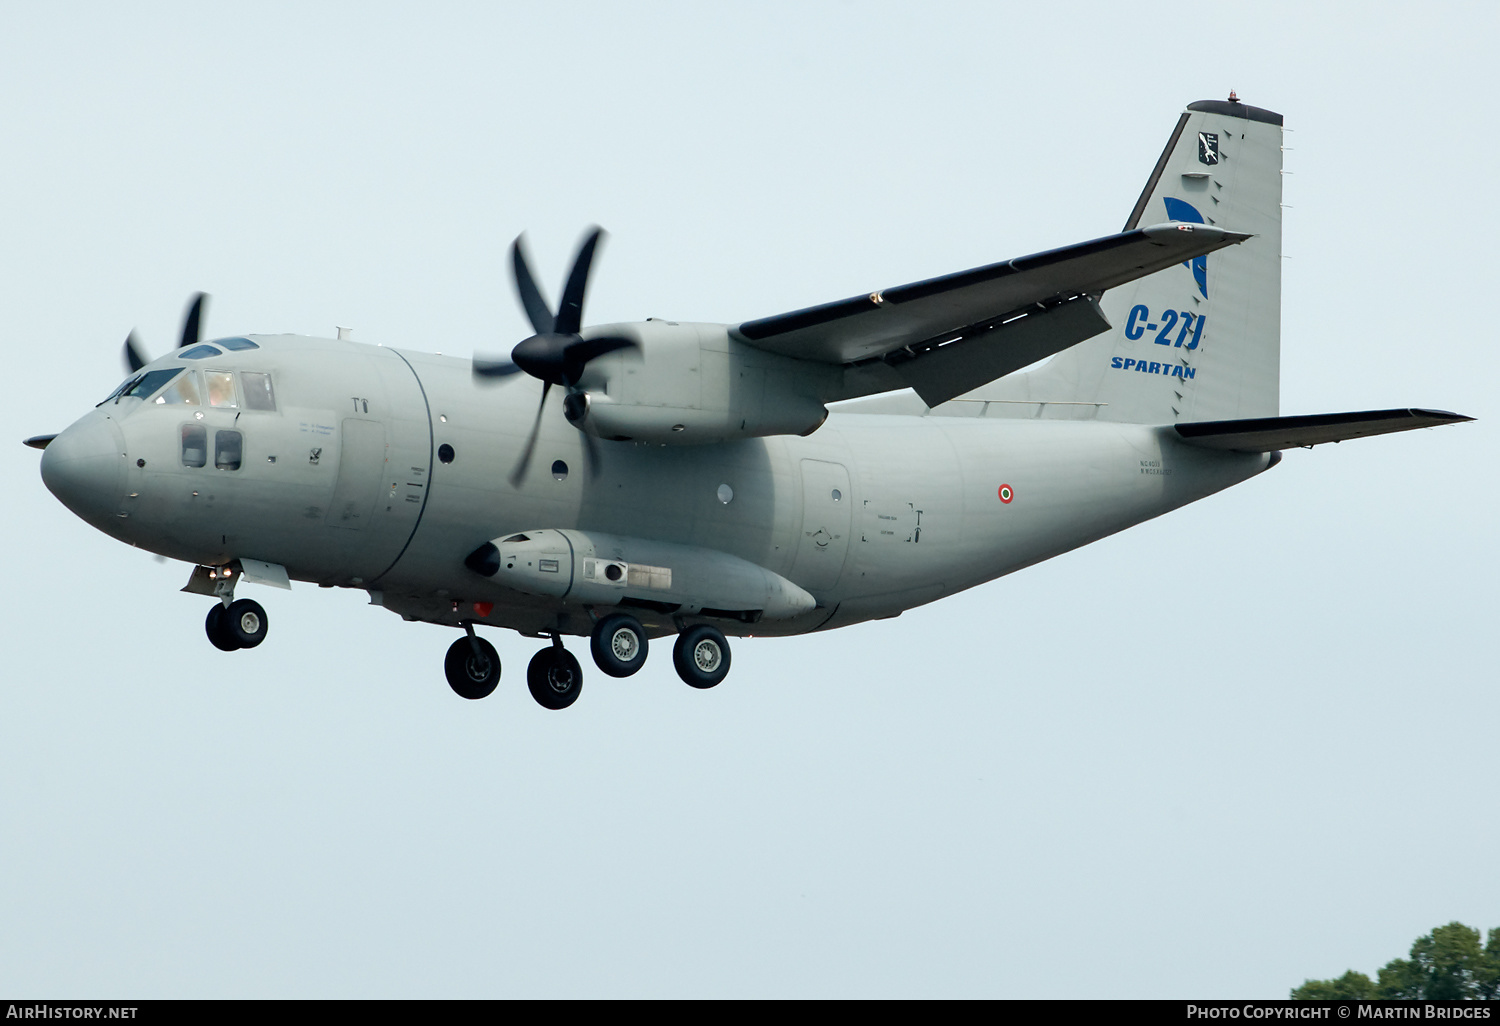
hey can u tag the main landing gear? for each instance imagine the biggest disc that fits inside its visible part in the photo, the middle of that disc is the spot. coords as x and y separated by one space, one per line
701 656
472 666
554 676
618 644
241 624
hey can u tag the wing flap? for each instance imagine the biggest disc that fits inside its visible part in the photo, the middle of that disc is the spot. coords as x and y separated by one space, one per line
931 312
941 373
1268 434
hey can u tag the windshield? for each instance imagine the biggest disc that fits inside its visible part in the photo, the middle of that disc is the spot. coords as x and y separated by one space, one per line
142 385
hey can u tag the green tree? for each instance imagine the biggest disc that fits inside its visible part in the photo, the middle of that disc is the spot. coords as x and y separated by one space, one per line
1351 986
1445 965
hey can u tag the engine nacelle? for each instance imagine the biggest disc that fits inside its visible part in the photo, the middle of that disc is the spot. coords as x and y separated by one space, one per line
589 568
691 384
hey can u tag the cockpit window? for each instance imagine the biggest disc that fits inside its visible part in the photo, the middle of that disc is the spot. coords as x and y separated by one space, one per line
184 390
121 388
202 352
143 386
221 389
258 394
237 344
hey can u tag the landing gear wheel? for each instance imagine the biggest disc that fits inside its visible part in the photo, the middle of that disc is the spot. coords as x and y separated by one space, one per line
472 674
619 645
245 621
701 656
218 629
554 677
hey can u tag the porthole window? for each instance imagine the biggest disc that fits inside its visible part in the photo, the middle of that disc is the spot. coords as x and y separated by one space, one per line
445 453
559 470
194 445
228 450
838 496
725 494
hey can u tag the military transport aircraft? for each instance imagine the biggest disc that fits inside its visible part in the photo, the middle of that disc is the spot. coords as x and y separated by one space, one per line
627 482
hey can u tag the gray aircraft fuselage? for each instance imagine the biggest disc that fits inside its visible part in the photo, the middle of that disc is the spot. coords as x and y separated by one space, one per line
383 469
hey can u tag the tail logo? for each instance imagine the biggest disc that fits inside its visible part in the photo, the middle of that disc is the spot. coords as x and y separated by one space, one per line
1208 148
1179 210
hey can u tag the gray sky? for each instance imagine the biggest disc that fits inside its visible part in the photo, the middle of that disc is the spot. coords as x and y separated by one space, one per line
1245 744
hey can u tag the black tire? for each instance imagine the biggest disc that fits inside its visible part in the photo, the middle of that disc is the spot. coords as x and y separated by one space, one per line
472 676
701 656
217 629
619 645
245 621
554 678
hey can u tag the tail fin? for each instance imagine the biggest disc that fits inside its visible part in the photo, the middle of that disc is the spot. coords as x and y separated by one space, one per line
1200 341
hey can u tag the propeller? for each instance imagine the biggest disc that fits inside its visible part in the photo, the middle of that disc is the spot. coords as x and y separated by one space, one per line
192 322
557 354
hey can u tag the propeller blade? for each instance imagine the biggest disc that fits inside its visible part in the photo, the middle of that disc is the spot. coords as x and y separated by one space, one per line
192 323
525 461
570 310
135 359
591 453
487 368
537 310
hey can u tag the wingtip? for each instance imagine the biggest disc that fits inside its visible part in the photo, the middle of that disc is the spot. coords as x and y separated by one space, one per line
1445 416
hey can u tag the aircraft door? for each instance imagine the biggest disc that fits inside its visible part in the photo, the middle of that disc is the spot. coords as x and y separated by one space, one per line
361 470
824 540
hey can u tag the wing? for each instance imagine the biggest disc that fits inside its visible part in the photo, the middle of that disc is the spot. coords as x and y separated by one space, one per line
947 335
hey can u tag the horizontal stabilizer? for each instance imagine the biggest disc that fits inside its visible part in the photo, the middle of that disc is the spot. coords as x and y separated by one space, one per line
1267 434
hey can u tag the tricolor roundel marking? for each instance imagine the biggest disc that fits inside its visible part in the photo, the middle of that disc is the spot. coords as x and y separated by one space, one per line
1006 494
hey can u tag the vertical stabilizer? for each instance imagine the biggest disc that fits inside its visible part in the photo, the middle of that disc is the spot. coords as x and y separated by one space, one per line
1201 340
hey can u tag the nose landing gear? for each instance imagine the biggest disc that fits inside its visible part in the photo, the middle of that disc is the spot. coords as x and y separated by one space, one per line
242 624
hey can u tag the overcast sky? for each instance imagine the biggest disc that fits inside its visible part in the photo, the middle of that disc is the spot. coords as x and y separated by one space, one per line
1246 744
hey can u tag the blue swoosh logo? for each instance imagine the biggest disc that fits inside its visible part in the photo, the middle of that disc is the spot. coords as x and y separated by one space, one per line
1177 210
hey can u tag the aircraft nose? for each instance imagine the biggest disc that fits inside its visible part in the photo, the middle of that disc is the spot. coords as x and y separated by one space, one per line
84 469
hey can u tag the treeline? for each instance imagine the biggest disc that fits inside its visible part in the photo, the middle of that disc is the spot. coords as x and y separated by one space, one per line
1447 964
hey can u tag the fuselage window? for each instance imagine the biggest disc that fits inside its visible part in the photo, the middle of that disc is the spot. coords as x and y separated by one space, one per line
194 445
184 390
258 393
221 389
237 344
149 382
201 353
228 450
